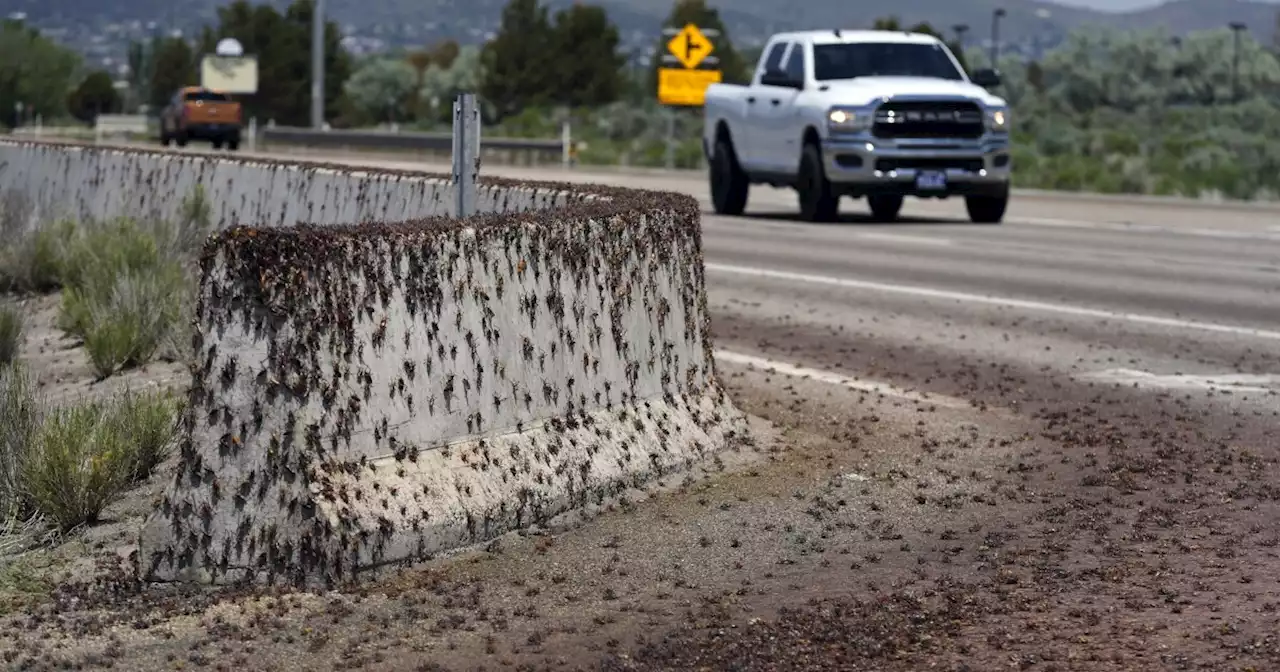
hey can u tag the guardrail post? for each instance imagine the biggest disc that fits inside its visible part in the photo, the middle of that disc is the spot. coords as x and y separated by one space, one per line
253 134
466 152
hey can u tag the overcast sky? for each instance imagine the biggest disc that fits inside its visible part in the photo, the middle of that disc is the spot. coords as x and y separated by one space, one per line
1122 5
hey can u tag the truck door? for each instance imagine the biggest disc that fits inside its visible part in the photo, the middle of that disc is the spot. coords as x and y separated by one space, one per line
752 141
780 152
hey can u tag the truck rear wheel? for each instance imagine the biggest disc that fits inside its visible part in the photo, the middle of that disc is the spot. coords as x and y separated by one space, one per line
729 184
986 209
818 201
884 208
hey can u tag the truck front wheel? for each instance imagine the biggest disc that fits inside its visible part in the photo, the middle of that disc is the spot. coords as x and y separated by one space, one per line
729 183
818 201
986 209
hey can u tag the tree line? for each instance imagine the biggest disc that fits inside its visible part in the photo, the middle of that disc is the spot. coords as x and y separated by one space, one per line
1107 110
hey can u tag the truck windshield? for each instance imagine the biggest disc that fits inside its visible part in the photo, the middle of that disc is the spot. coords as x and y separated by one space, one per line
206 95
888 59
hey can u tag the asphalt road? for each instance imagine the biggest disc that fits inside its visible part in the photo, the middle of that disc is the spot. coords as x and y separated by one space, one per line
1163 293
1050 444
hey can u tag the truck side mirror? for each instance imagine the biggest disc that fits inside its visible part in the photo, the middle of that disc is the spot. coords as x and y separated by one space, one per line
779 78
985 77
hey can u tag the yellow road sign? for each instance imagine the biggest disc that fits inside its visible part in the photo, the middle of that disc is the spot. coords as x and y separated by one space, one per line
690 46
685 87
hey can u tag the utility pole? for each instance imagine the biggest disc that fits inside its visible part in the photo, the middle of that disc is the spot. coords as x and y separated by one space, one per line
317 65
996 15
1237 27
961 29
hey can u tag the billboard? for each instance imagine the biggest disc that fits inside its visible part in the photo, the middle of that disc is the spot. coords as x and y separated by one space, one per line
229 74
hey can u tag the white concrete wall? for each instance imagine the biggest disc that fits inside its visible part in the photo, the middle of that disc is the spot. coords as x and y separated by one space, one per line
86 182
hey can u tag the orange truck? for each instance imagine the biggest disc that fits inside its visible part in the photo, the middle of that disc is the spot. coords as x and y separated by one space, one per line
197 113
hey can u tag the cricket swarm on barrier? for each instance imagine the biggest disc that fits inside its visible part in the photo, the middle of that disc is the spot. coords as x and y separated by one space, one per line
366 394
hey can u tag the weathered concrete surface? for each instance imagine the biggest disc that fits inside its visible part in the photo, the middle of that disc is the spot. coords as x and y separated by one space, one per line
366 394
81 182
377 394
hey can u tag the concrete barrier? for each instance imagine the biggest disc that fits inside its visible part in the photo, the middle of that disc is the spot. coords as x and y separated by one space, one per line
80 182
370 394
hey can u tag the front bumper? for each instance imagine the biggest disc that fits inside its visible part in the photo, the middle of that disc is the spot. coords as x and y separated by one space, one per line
862 164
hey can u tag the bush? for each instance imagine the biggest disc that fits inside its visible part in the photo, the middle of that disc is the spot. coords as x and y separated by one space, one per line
150 421
11 325
66 464
83 456
77 463
20 417
126 284
35 261
124 320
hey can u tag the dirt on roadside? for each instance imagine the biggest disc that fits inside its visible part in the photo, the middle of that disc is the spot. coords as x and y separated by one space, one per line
1048 526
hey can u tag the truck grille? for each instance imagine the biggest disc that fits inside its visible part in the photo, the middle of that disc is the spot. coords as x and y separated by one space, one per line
928 119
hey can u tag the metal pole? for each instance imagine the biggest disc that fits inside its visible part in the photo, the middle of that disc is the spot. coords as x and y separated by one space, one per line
317 65
466 153
1237 28
995 37
671 139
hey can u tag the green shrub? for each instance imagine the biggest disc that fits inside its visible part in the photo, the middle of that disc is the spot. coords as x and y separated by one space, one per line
150 421
81 457
77 464
35 261
11 326
20 418
124 284
125 320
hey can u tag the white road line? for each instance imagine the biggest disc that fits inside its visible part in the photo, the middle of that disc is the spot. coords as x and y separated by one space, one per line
900 238
998 301
1235 382
836 379
1269 234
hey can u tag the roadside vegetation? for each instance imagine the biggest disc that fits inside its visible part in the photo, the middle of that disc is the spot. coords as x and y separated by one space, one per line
125 297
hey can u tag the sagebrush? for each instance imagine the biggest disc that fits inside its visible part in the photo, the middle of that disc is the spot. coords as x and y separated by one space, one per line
66 464
126 284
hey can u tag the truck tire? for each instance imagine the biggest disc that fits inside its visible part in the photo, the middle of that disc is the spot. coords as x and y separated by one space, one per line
233 144
216 143
181 138
986 209
729 184
818 202
884 208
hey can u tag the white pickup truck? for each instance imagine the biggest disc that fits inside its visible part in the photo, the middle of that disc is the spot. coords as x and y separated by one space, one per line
880 114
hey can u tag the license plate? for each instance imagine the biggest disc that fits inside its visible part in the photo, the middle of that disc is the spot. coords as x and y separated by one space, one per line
931 181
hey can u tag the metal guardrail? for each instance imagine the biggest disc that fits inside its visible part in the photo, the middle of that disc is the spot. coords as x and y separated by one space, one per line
396 140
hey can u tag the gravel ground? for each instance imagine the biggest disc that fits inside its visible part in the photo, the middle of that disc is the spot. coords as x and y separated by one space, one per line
872 534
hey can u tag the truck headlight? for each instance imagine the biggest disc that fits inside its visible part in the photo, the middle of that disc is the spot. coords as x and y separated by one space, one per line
846 120
998 120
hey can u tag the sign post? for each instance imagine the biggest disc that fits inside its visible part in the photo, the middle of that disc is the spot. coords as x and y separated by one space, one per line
687 69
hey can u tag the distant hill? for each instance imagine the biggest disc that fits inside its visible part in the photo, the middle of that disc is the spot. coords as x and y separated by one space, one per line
98 28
